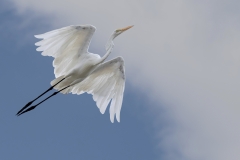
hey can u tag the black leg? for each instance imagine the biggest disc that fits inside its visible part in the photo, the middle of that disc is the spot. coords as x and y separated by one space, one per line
33 107
29 103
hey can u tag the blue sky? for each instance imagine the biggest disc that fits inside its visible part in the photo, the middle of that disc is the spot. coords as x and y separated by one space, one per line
67 126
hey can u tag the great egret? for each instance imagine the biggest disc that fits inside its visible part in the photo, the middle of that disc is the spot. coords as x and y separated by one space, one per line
78 71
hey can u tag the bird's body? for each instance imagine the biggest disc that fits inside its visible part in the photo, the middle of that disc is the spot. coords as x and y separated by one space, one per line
78 71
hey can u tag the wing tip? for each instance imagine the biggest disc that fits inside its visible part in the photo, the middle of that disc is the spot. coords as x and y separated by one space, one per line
112 120
118 118
38 36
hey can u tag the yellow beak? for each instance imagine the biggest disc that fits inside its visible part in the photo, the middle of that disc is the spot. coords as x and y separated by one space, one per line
126 28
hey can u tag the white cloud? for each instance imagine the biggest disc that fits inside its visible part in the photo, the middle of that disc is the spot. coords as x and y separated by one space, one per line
185 53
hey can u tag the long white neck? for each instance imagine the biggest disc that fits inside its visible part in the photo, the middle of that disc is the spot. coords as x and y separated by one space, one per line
109 47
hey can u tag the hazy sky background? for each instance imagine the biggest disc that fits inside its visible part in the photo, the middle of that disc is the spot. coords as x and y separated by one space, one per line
68 126
182 64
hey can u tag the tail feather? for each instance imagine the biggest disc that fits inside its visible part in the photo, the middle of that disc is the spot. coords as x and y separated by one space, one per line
61 85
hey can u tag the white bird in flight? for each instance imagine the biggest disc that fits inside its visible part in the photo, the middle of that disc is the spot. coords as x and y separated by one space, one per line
78 71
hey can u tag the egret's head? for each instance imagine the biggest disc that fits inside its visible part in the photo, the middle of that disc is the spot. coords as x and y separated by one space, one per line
119 31
114 35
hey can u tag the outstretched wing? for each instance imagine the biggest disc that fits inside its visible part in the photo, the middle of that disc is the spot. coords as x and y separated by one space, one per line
68 45
106 83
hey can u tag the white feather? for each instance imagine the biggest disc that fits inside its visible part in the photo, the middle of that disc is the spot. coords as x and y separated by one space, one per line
65 45
105 83
83 71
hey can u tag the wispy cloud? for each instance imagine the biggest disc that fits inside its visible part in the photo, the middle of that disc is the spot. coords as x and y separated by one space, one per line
184 54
